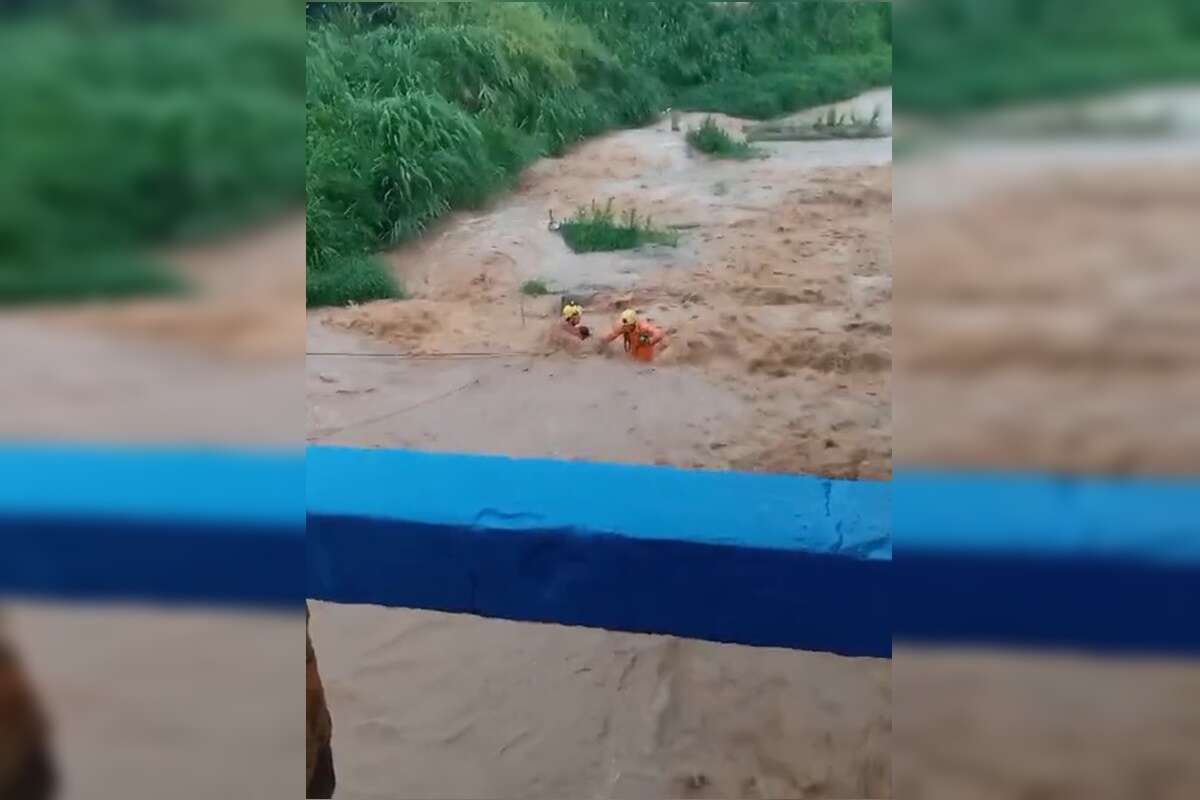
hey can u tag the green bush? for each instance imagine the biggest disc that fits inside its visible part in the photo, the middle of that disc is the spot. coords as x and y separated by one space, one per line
535 288
598 228
86 277
711 138
350 279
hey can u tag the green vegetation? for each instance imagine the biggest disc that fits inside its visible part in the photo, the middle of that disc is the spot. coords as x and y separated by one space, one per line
407 121
535 288
596 228
116 138
85 277
833 125
966 55
351 279
417 109
712 139
757 60
823 79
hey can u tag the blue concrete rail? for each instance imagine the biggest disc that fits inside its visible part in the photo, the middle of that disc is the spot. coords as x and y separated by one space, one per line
163 524
790 561
1108 564
981 557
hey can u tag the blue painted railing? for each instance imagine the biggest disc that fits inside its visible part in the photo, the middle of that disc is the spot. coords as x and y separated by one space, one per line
981 557
166 524
1002 558
791 561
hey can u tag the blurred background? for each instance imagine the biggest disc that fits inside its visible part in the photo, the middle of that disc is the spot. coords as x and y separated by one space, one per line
151 284
151 180
1048 308
151 291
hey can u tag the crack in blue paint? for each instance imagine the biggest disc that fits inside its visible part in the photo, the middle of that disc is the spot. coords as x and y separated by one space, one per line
495 518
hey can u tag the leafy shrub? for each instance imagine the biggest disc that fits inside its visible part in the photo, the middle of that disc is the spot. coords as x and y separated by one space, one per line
535 287
350 279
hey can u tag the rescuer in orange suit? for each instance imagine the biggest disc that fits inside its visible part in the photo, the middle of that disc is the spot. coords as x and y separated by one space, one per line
641 338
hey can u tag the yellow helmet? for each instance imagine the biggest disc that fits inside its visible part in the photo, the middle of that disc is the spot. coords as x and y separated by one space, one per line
628 317
571 310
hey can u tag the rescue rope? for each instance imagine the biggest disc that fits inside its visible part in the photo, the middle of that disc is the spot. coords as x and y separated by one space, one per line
462 354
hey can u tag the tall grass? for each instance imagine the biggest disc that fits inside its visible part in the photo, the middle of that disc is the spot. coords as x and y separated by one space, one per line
117 139
417 109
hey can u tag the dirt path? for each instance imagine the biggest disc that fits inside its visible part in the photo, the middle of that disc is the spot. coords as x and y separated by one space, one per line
775 302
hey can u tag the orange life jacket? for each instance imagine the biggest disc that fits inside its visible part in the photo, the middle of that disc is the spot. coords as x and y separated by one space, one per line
638 342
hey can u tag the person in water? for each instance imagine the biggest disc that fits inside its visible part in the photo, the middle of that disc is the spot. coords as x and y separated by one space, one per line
641 338
569 332
572 316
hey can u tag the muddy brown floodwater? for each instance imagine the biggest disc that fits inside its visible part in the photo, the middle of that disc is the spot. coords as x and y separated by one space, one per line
438 705
775 302
776 305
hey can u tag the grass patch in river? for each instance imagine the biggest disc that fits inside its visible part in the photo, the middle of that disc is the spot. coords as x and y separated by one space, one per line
712 139
535 288
599 228
832 125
